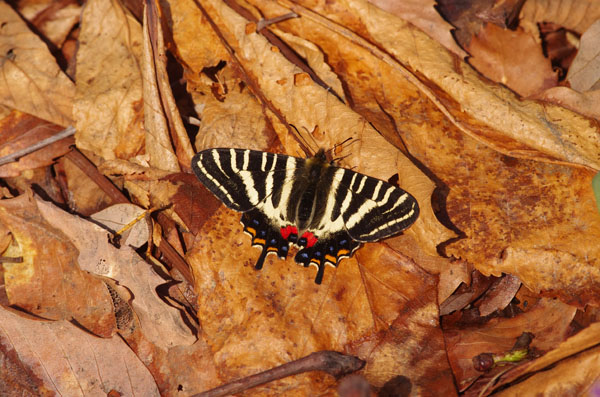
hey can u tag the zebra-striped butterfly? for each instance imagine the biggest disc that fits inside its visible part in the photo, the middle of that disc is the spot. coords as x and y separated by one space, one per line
325 210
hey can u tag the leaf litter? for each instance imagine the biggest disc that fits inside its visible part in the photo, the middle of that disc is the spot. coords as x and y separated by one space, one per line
505 244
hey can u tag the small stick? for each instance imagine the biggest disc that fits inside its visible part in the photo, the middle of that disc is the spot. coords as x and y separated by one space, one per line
92 172
263 23
36 146
334 363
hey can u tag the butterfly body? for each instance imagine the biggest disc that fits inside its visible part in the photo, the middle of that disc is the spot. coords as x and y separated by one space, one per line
326 210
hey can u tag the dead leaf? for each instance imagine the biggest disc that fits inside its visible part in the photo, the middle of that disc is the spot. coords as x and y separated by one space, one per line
254 320
54 19
548 321
425 16
575 15
32 81
159 149
583 349
56 357
584 73
108 104
49 282
117 216
20 131
513 58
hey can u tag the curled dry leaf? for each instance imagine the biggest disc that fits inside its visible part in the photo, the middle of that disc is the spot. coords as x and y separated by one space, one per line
159 148
32 81
108 105
575 15
369 307
49 282
583 103
575 376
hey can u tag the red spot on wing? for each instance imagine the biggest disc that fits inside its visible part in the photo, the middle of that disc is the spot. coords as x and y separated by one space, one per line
286 231
311 239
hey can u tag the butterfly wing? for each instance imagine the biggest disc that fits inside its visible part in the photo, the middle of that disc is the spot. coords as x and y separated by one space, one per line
242 179
374 209
358 208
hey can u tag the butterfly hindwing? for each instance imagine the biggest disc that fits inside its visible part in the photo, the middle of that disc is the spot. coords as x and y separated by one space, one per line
327 211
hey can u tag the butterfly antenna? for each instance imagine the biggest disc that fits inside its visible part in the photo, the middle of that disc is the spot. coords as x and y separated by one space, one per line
304 144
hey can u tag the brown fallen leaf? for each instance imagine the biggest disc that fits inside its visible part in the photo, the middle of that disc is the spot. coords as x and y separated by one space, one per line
575 15
49 282
370 306
56 357
32 83
21 131
54 19
584 72
513 58
425 16
548 320
108 105
572 365
443 87
176 357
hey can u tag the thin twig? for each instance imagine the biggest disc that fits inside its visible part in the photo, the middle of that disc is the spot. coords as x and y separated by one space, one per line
89 168
70 130
334 363
263 23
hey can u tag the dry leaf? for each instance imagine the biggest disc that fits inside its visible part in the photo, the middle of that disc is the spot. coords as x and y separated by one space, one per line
159 149
584 72
56 357
108 104
54 19
117 216
425 16
583 341
49 282
20 131
32 81
489 113
371 305
513 58
576 15
548 321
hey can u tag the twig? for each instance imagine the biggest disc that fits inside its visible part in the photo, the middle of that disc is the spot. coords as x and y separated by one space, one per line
38 145
91 171
334 363
263 23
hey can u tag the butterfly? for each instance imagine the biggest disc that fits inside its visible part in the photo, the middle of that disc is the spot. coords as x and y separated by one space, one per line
325 210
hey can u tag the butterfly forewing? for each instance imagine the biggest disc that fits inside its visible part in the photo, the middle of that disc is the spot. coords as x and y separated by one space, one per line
338 208
242 178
